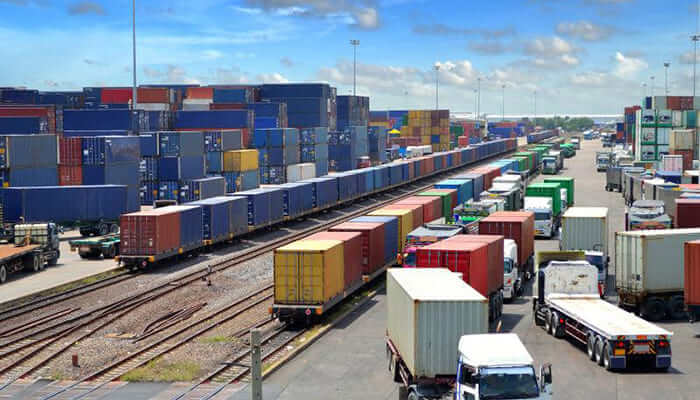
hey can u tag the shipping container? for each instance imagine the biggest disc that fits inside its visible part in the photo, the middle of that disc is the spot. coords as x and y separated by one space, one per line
241 160
222 218
567 183
324 191
416 212
300 172
28 151
585 228
687 213
391 229
462 186
297 198
418 301
691 281
204 188
191 235
181 168
352 246
70 151
223 140
176 144
516 225
405 218
432 206
150 233
213 119
70 175
308 272
445 199
477 181
373 246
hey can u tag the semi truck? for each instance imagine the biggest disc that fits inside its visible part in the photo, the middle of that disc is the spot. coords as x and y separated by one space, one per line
35 245
586 229
602 160
550 165
649 271
545 222
551 191
567 304
518 226
96 247
510 193
425 235
512 275
422 360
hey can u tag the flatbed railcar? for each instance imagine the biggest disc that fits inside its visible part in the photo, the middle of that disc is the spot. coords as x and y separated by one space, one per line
470 155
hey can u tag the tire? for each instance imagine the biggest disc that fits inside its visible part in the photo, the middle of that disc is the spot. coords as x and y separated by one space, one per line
83 255
414 396
557 330
114 228
606 359
548 322
599 347
676 308
654 309
31 263
54 261
109 253
103 229
3 274
590 347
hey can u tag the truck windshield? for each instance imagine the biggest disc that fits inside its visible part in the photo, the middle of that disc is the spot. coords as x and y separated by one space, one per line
508 383
507 265
542 216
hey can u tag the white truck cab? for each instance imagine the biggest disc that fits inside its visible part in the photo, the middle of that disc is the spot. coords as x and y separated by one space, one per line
512 281
498 366
564 196
544 219
515 180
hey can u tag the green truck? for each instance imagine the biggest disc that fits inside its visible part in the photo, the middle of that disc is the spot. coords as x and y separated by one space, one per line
96 247
567 183
533 160
550 165
550 190
568 149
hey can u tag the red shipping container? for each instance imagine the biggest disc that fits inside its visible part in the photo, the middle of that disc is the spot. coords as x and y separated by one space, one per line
200 93
515 225
463 141
227 106
116 95
495 251
372 243
687 213
689 186
417 212
153 95
469 259
70 175
687 158
245 137
432 206
47 112
352 246
673 102
149 233
70 151
452 193
692 272
686 102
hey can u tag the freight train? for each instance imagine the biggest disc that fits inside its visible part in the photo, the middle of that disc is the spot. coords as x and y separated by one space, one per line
148 237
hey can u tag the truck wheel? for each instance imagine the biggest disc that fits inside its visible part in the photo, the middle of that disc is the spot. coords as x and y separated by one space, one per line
31 263
654 309
414 396
3 274
109 253
54 261
599 348
114 228
606 359
676 308
548 322
557 329
590 347
103 229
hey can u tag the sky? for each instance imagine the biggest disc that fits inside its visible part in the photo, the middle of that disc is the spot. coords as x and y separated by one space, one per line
560 56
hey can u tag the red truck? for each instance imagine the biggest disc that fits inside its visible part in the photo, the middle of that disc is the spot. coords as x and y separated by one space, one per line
479 261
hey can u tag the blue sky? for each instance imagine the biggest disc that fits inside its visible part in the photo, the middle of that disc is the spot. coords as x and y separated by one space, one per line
580 56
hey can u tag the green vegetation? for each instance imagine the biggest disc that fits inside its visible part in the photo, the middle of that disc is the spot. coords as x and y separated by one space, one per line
217 339
161 371
568 124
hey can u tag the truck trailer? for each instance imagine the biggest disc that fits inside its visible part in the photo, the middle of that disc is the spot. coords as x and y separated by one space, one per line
35 245
567 303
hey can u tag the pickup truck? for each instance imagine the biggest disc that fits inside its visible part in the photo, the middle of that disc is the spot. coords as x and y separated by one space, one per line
35 245
567 303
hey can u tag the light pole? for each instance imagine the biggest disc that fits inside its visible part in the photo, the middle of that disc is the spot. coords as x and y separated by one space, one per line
134 98
666 65
503 99
535 107
652 85
354 44
695 39
475 111
478 97
437 74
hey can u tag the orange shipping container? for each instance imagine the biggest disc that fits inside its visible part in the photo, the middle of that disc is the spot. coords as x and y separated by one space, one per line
416 209
200 93
70 175
692 273
153 95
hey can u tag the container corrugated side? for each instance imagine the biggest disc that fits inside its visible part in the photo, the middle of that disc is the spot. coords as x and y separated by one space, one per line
692 273
432 206
585 232
352 246
373 250
308 272
150 233
426 327
651 261
417 212
241 160
405 218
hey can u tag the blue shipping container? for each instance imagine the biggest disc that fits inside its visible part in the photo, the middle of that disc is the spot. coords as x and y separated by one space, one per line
224 140
180 168
297 198
216 218
214 119
191 234
201 189
324 191
174 144
391 233
258 206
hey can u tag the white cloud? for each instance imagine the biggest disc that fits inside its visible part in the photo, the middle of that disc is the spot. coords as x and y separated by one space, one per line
627 67
366 18
212 54
585 30
548 47
569 59
361 14
590 79
271 78
456 73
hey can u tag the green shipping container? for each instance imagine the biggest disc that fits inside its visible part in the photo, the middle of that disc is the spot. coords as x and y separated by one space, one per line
446 202
551 190
523 163
567 183
532 158
515 163
691 119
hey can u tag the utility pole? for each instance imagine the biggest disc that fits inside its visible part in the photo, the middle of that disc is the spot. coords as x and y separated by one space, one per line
503 98
255 365
134 98
354 44
475 111
478 98
535 107
652 85
695 39
666 65
437 74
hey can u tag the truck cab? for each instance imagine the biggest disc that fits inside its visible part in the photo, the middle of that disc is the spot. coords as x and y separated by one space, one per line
576 142
498 366
600 261
515 180
544 219
647 214
508 192
425 235
549 165
512 277
564 199
602 161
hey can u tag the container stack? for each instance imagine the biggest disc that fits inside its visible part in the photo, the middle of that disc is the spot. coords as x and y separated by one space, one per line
314 149
377 144
113 160
180 159
682 143
308 104
28 160
432 127
352 111
216 143
347 147
241 170
29 120
278 149
630 123
110 122
269 114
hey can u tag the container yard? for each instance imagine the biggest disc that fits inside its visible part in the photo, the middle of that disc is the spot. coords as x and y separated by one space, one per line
232 213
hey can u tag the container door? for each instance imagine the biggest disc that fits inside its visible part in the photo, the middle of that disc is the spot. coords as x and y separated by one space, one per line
287 277
310 271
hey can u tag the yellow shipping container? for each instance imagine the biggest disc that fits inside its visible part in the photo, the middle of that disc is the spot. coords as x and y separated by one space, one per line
309 272
436 147
240 160
405 218
425 140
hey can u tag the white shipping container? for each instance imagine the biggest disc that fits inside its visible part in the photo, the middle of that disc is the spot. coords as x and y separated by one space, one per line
153 106
682 139
651 261
299 172
428 310
585 228
649 135
196 104
659 102
648 116
663 135
672 163
677 118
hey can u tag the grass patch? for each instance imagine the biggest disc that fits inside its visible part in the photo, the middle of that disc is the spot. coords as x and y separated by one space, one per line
57 376
161 371
216 339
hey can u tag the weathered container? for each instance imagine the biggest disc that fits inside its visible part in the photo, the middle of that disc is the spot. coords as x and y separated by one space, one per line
477 180
494 253
241 160
432 206
515 225
682 139
191 234
405 218
391 229
324 191
70 175
585 228
28 151
373 244
445 200
308 272
649 262
203 188
70 151
462 186
418 301
150 233
297 198
691 278
416 209
352 246
687 213
567 183
63 204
